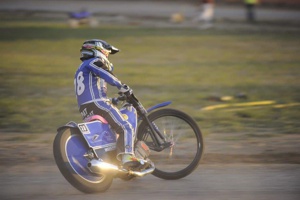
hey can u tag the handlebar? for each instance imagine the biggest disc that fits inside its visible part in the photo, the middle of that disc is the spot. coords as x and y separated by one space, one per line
131 99
142 113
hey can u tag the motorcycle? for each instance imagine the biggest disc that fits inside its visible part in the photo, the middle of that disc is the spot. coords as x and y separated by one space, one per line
168 142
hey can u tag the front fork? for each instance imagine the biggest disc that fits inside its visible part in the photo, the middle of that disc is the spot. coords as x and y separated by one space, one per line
159 141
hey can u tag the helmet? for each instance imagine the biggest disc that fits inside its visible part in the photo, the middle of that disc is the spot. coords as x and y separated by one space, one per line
96 48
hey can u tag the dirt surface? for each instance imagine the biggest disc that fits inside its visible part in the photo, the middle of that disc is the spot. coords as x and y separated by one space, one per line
235 166
208 182
21 148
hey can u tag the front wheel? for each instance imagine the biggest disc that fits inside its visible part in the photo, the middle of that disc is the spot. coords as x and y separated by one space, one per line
182 139
69 149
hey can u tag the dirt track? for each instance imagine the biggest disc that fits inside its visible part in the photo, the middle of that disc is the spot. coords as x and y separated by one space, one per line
20 148
249 168
231 181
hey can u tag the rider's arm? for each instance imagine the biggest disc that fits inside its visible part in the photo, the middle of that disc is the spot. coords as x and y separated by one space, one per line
101 69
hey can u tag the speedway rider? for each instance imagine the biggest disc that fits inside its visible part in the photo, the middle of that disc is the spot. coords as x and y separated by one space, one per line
90 81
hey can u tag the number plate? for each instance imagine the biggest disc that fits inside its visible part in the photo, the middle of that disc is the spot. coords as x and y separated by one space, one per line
98 135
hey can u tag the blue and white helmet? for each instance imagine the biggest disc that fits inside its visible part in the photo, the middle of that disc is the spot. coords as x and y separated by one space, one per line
96 48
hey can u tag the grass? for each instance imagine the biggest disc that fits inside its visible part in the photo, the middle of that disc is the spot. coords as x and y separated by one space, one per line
188 66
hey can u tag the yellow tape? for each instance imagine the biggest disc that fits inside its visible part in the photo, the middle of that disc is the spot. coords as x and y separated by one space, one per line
286 105
248 104
254 103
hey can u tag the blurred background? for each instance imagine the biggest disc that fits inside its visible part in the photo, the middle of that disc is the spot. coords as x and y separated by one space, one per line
171 50
232 65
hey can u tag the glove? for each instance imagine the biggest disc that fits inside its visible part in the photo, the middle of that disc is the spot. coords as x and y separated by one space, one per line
115 101
125 89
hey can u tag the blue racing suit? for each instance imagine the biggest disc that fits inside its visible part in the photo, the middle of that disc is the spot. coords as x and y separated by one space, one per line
90 82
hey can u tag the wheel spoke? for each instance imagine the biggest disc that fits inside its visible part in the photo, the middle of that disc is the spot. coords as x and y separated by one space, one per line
183 155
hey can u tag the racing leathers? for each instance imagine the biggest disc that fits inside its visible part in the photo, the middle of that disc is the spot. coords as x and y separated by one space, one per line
90 82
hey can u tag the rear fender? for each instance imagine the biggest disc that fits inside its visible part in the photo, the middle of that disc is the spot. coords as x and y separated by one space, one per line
70 124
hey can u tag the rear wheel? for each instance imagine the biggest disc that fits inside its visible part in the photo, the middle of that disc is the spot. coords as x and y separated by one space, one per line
68 149
183 143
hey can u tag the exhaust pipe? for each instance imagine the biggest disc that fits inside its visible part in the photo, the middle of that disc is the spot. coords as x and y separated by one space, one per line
100 167
142 173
